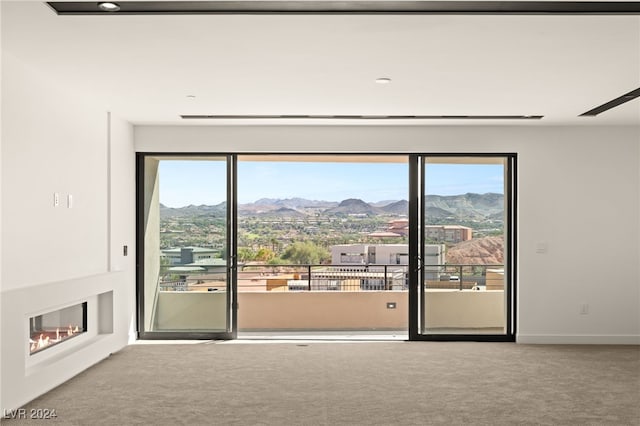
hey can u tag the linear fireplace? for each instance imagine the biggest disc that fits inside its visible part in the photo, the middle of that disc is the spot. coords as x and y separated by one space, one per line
52 328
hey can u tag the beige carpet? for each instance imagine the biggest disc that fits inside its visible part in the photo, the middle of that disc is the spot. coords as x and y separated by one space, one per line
354 383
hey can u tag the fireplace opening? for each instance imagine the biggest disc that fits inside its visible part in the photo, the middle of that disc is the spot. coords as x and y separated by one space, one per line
55 327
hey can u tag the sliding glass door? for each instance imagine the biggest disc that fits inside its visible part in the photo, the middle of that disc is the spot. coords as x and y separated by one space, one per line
443 262
461 240
186 263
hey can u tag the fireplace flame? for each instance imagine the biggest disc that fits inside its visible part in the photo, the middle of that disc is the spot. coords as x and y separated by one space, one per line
40 343
44 340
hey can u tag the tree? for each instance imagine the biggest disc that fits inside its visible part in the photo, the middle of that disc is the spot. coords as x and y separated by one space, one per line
245 254
275 244
305 253
264 254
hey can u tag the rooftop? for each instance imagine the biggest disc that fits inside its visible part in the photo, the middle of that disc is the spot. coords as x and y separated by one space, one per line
193 249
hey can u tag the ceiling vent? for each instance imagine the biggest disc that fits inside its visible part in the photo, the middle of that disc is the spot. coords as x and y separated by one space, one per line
361 117
351 7
612 104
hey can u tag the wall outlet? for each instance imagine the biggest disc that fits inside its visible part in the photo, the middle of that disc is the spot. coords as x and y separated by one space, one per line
584 309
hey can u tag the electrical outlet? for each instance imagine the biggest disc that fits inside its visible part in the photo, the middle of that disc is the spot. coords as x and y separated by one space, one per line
584 309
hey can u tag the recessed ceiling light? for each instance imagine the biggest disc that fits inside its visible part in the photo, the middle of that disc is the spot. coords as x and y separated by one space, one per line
383 80
191 96
109 6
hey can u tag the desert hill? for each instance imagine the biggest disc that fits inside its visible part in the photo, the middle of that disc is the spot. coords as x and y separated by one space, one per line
478 251
353 206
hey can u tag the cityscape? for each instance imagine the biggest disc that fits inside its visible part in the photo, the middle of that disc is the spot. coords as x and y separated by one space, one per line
268 229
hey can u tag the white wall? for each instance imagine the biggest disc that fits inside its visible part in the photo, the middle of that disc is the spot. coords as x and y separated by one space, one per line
571 180
1 201
122 227
54 140
51 146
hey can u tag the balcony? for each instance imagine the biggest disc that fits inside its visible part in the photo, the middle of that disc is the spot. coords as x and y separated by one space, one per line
457 298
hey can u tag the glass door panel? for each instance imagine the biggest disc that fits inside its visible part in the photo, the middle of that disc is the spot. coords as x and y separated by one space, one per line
322 245
186 286
463 238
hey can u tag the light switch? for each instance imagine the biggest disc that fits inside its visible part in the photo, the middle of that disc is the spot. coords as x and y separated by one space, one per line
69 201
541 247
56 199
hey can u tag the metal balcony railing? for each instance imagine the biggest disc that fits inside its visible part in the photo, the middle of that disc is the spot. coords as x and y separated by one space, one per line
376 277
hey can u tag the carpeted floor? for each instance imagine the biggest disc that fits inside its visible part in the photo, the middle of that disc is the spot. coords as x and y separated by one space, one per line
353 383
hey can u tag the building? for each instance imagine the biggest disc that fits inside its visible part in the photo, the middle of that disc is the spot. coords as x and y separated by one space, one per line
399 227
82 95
445 233
449 233
382 254
371 257
187 255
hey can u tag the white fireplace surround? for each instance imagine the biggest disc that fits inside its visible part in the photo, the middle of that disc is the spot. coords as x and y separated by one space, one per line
26 376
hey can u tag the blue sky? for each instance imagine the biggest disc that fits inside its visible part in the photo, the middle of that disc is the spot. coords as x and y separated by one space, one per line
204 182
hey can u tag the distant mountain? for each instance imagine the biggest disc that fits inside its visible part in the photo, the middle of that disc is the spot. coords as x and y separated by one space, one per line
293 203
496 216
193 211
468 206
398 207
383 203
283 212
490 199
354 206
437 213
265 201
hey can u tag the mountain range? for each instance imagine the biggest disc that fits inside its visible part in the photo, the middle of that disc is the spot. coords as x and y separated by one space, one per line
469 206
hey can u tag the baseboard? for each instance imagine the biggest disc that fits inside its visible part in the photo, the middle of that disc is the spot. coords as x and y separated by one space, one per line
580 339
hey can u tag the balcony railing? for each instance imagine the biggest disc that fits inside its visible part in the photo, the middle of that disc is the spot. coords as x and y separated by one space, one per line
336 278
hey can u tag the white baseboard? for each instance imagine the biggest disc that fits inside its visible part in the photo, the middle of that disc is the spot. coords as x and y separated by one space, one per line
581 339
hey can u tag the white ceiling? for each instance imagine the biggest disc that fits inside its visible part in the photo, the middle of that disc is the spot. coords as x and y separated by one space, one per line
143 67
